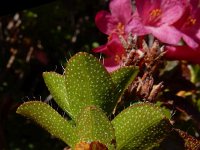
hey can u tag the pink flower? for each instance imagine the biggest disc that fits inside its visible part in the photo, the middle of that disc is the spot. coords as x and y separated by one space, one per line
189 24
117 20
183 53
167 20
114 23
156 17
189 27
114 52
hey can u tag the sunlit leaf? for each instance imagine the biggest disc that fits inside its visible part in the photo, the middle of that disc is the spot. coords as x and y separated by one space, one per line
49 119
88 83
93 125
140 127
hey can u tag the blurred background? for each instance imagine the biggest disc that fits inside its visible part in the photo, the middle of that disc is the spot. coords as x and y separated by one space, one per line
33 41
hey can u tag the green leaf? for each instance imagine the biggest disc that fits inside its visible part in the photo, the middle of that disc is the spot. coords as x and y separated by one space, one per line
88 83
122 78
49 119
141 126
56 85
93 125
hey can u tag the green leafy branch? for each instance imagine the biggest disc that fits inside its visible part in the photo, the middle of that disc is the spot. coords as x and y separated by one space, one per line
89 94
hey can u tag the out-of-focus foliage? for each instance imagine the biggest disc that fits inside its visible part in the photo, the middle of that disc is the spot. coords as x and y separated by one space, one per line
33 41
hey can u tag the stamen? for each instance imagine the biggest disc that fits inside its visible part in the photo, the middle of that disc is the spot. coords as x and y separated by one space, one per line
155 14
119 58
191 21
120 28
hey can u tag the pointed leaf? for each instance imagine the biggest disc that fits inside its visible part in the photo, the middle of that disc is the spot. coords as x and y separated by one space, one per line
88 83
140 126
49 119
94 126
122 78
56 85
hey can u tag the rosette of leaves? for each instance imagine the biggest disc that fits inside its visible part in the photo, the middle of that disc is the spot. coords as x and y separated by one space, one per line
88 94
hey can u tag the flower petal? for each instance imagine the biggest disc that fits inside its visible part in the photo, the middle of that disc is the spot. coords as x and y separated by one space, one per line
101 49
190 41
114 51
105 22
189 25
166 34
111 64
135 26
183 53
194 3
172 10
145 6
122 10
115 45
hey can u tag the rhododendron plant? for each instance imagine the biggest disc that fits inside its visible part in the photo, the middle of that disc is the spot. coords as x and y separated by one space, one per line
169 21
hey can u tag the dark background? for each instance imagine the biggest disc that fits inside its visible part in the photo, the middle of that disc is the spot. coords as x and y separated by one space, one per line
37 37
11 6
